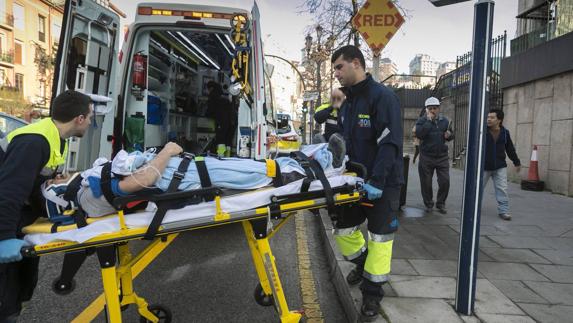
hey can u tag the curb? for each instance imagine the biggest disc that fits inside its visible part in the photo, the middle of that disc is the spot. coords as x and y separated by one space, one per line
350 298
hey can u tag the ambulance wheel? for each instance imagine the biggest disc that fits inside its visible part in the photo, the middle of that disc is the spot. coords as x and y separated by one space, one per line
261 298
162 313
62 288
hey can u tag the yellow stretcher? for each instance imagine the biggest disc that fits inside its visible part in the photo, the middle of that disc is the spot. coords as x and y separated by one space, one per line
117 262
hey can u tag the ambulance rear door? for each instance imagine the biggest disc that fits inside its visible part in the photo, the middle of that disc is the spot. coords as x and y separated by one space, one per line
258 86
86 62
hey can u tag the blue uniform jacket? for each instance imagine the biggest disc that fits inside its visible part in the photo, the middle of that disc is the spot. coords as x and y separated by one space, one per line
371 123
432 135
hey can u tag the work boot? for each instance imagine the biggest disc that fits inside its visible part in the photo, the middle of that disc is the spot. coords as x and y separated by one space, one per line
442 209
505 216
221 150
355 275
370 309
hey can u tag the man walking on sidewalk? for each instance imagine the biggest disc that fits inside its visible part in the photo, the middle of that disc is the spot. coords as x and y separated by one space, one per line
433 130
498 142
371 124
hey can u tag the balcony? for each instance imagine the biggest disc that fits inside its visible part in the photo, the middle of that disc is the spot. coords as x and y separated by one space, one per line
530 40
7 59
6 20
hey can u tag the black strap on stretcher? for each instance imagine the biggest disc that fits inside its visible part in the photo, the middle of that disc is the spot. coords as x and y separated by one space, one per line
312 166
278 179
204 177
163 207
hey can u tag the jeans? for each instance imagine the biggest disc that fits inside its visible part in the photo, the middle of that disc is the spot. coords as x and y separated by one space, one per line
500 184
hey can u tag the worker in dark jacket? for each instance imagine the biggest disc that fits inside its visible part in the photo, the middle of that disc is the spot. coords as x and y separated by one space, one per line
34 154
220 109
328 113
434 130
498 142
372 129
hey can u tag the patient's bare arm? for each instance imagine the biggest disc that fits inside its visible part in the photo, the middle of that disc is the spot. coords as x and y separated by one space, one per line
149 174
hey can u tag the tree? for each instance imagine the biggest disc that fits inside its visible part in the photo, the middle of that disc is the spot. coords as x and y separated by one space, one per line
45 70
12 102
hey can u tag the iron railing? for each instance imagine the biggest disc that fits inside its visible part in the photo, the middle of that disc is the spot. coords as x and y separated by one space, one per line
459 91
7 57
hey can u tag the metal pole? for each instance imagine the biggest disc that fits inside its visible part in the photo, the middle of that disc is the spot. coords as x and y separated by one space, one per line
473 180
304 105
376 67
311 120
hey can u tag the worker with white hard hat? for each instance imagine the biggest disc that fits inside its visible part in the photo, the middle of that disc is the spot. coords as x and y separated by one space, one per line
434 130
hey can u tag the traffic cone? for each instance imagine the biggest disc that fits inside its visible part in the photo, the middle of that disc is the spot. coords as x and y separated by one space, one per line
532 183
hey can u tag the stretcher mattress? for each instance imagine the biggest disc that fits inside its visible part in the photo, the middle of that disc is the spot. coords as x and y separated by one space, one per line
203 212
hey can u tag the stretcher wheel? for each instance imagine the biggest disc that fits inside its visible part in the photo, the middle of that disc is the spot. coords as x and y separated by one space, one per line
162 313
62 288
261 298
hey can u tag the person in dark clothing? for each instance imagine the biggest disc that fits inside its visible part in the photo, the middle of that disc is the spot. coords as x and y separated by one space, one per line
371 124
434 130
328 114
219 108
34 153
498 142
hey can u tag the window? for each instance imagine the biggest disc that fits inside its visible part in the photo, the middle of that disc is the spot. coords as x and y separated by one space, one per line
2 40
56 30
18 52
41 28
42 91
2 77
19 82
19 19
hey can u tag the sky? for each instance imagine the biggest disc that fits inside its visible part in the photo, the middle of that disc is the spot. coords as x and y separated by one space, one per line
441 32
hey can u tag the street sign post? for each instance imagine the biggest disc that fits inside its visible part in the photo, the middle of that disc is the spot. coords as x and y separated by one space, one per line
310 96
473 175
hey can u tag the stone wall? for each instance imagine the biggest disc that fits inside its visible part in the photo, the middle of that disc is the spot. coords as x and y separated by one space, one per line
541 113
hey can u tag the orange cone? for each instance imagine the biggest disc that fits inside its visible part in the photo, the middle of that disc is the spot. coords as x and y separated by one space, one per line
532 183
533 174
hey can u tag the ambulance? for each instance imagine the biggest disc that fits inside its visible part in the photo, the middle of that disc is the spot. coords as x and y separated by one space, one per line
156 84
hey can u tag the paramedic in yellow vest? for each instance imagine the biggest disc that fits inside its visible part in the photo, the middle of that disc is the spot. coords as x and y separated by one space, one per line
370 121
33 155
328 114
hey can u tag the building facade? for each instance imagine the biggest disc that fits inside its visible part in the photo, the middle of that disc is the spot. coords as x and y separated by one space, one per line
538 101
29 36
445 68
423 64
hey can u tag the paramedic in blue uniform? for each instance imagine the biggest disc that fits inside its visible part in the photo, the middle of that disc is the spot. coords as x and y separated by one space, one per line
328 114
34 154
371 124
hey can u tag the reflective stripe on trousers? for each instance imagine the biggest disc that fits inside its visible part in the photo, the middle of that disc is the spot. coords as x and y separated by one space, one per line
350 242
377 266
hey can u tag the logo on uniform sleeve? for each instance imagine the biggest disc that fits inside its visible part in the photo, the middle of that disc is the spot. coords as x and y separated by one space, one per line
364 120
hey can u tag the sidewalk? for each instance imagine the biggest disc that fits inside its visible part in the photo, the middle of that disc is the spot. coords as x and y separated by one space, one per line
525 269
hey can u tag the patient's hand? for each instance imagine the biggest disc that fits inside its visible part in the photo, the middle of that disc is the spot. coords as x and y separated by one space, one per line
172 149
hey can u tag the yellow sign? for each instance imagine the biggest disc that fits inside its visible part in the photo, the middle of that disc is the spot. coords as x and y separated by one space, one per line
377 21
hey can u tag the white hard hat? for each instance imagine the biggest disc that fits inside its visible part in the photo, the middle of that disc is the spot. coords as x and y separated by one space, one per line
432 101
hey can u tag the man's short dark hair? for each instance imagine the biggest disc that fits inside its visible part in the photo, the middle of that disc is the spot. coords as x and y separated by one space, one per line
70 104
498 113
348 53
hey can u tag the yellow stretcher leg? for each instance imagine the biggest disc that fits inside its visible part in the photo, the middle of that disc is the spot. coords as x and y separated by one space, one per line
111 293
266 268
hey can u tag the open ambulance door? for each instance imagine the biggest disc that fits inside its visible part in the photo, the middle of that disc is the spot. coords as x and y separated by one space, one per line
86 62
258 86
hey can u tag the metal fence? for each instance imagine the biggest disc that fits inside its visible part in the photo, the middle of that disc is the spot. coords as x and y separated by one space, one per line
455 85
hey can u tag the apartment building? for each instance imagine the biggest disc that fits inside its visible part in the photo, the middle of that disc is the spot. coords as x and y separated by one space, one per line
29 36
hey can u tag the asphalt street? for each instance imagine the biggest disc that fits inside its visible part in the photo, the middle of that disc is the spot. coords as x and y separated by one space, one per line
204 276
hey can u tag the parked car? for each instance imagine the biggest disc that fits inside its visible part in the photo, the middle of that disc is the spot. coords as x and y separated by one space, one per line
9 123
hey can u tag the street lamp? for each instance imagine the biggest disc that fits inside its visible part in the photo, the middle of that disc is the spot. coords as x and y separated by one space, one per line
308 45
318 64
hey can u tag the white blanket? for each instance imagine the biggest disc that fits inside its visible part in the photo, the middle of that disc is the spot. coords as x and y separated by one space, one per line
230 204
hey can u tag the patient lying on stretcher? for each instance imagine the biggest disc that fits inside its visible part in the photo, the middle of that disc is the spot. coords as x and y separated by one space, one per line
134 172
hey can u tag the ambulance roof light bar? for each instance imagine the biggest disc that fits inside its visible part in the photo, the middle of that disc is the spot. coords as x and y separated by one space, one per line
150 11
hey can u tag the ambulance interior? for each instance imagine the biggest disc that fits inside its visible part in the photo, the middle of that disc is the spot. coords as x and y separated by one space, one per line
166 98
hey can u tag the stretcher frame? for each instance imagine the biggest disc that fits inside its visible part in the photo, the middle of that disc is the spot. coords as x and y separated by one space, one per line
117 262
